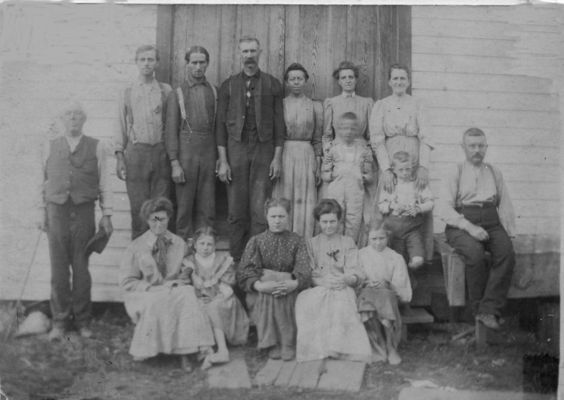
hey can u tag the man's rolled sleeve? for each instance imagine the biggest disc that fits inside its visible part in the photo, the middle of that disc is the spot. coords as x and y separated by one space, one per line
447 201
120 133
172 124
105 189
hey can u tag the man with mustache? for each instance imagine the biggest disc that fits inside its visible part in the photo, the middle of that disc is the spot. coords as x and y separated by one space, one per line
476 207
142 161
190 143
250 135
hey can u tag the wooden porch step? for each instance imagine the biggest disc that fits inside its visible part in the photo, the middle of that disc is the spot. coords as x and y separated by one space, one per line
319 374
416 315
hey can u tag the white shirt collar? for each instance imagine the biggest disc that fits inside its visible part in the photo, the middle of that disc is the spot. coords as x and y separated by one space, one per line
73 141
346 95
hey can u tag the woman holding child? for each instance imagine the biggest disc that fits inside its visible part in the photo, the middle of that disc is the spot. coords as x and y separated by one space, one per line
397 123
158 296
273 269
301 158
326 315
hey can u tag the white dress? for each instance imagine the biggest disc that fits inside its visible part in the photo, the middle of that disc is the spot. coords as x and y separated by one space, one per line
327 319
168 319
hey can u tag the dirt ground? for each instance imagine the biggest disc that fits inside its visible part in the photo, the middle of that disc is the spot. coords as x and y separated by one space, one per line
100 368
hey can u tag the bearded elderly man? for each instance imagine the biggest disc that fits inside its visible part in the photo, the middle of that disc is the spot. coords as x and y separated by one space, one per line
476 207
250 135
76 174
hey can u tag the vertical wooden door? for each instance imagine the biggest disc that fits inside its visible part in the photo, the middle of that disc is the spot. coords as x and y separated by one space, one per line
319 37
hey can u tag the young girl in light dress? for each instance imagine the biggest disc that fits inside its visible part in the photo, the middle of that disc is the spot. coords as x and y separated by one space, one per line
213 276
387 284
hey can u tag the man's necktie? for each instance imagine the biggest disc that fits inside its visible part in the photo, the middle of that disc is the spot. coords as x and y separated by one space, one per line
248 93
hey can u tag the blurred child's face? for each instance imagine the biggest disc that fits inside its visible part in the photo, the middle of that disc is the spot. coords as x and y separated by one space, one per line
346 130
329 224
402 170
378 240
205 246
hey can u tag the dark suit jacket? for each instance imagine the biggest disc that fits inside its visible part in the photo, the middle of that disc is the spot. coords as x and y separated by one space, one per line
268 107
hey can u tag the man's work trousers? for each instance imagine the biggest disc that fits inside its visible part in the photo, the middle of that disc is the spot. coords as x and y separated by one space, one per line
248 191
487 284
148 176
196 196
70 227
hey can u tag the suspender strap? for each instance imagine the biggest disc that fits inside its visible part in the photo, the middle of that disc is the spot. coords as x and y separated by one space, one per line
182 104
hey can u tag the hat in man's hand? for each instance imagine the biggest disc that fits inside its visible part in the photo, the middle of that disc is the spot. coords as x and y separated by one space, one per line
98 242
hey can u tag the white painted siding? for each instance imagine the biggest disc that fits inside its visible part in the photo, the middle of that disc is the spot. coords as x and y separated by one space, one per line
491 67
51 53
494 68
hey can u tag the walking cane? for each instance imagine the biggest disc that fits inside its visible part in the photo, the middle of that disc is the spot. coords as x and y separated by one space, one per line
19 300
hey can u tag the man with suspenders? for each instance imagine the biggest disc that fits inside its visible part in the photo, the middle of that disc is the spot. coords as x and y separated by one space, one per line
190 144
141 157
479 216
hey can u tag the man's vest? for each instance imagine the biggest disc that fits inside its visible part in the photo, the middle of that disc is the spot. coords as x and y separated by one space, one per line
73 175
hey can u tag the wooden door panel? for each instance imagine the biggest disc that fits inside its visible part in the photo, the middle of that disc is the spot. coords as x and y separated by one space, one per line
319 37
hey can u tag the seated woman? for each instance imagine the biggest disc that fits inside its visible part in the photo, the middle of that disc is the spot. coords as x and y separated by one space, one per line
275 265
387 283
326 315
166 312
213 276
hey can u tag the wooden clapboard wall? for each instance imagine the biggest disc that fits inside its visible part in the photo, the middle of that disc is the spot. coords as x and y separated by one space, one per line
97 66
319 37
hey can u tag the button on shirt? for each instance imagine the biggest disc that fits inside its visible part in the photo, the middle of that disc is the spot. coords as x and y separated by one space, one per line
250 127
146 101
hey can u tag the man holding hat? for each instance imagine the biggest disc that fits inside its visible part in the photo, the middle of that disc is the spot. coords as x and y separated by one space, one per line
75 174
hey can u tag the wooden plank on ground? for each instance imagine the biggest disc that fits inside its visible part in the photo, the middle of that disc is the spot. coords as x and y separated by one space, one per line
416 316
441 394
285 373
306 374
342 375
268 374
233 375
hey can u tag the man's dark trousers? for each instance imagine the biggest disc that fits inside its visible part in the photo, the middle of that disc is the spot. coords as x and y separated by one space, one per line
196 196
487 285
70 227
248 191
148 176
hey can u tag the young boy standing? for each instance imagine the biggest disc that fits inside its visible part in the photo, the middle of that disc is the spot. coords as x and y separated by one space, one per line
347 168
403 211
